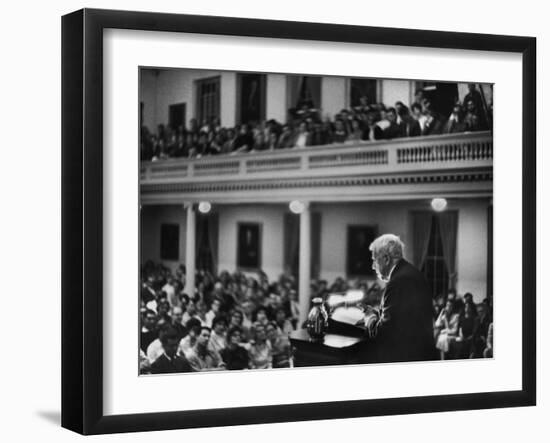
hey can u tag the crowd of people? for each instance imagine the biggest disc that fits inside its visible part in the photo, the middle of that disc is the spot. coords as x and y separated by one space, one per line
306 127
463 329
238 321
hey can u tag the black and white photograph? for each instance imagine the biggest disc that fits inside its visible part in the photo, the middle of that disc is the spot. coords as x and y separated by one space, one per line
292 220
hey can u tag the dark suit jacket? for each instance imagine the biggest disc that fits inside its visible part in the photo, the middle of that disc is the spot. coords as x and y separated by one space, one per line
378 133
163 365
404 329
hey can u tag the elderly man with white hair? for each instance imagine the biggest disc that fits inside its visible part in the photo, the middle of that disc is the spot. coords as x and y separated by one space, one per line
402 329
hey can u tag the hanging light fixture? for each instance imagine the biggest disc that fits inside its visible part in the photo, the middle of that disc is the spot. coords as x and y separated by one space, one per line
296 206
204 207
439 204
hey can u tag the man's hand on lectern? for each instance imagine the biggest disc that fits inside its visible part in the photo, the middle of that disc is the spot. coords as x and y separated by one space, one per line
371 319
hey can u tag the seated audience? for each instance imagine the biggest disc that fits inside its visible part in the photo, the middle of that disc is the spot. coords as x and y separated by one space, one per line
448 321
455 123
214 311
217 336
169 362
270 310
303 136
305 128
191 312
339 135
234 355
356 132
372 131
202 357
144 363
393 130
468 328
148 330
187 343
280 346
259 352
282 322
177 322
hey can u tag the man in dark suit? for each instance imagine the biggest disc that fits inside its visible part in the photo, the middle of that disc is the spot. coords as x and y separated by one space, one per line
169 362
402 329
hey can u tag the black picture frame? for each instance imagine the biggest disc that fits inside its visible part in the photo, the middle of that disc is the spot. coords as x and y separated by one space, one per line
82 218
249 246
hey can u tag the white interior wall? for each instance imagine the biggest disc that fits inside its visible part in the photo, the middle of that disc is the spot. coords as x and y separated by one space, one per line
276 97
150 221
178 86
270 218
147 95
333 95
472 249
395 90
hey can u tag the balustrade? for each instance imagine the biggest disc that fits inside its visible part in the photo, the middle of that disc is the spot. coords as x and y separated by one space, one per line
399 155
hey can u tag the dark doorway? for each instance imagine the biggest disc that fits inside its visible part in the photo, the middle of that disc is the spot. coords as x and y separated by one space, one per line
177 116
443 96
207 242
252 99
169 242
363 87
304 91
434 267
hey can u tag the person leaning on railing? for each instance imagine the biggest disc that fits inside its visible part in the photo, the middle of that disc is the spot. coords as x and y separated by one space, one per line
368 123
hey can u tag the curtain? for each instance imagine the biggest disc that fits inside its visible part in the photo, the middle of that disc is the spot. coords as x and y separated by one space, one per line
213 241
291 243
313 90
422 225
448 223
315 244
302 87
200 232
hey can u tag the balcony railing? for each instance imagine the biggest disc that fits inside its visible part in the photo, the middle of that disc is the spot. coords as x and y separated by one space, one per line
441 152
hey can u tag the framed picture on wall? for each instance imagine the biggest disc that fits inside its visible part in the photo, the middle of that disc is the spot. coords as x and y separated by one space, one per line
359 259
249 246
350 149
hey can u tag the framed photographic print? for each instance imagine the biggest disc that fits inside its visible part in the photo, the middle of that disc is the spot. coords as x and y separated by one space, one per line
271 204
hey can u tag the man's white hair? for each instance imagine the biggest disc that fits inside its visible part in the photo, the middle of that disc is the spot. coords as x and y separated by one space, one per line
388 244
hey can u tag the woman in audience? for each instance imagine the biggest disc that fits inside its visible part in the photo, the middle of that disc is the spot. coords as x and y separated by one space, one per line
448 321
468 329
303 137
280 346
260 352
190 340
356 133
234 355
261 316
340 135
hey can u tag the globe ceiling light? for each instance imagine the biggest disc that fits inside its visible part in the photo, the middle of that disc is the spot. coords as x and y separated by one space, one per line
204 207
439 204
297 206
